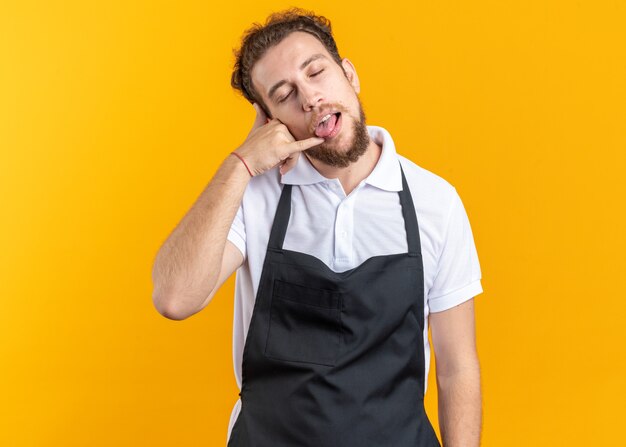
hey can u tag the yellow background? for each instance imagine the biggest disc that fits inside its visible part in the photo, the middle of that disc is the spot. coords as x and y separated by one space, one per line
114 115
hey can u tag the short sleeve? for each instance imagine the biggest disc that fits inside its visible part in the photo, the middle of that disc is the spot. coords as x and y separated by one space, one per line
237 232
458 270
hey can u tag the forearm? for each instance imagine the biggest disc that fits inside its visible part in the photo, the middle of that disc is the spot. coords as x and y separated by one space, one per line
460 407
186 267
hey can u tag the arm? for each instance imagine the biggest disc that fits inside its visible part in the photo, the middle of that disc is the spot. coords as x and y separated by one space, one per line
196 259
458 375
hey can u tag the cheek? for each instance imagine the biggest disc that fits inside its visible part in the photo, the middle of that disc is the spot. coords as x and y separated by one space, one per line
303 131
297 127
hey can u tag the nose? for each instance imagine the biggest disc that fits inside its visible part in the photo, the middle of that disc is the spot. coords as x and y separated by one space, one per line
311 98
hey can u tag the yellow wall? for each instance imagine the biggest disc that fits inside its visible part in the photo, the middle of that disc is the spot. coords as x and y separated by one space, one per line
114 115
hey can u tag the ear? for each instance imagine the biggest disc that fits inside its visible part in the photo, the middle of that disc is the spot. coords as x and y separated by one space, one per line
266 110
260 101
351 74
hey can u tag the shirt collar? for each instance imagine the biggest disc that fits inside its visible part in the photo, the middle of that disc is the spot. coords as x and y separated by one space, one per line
386 174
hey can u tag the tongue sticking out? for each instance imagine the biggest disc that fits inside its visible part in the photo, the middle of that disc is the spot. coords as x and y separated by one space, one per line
325 128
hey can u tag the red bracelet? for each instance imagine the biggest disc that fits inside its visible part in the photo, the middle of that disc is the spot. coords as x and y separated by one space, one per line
244 162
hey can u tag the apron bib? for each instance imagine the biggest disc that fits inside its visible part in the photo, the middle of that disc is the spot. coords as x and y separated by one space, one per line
336 359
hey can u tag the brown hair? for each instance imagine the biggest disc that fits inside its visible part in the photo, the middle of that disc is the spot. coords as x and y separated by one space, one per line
259 38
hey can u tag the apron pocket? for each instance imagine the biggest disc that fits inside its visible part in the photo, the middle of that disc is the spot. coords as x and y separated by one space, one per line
305 324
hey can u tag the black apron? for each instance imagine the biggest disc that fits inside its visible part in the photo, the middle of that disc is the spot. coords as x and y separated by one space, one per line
336 359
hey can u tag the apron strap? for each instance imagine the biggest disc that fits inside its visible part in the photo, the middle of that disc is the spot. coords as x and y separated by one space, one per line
281 219
410 217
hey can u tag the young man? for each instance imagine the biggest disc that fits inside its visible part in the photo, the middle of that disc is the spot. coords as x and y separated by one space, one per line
345 252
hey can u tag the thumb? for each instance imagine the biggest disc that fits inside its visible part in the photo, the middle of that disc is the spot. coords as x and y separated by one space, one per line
261 118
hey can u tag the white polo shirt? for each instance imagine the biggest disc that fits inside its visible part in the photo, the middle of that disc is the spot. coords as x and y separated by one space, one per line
343 231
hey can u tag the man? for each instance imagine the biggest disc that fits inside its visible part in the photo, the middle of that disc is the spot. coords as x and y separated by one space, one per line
344 257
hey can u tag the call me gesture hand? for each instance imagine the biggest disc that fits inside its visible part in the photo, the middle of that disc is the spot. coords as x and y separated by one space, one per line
270 144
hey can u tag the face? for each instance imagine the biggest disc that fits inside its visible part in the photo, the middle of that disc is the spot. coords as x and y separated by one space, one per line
301 83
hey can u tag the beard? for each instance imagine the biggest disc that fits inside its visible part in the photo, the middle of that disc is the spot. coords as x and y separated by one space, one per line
333 156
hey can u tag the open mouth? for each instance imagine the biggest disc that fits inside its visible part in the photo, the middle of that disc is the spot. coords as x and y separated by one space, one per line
329 125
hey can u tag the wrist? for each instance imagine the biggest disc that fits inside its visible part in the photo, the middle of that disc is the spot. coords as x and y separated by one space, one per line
243 161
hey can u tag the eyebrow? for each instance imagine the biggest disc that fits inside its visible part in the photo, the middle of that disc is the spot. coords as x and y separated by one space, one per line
302 67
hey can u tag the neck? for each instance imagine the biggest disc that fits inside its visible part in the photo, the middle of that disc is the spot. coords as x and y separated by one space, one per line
353 174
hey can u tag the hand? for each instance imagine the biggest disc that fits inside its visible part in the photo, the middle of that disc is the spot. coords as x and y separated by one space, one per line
270 144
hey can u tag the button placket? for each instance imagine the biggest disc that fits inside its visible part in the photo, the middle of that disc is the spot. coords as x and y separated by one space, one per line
343 231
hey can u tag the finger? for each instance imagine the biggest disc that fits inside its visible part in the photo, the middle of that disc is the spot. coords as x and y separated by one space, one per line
301 145
289 163
261 118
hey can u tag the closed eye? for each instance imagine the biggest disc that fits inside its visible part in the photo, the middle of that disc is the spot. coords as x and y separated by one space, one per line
285 98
